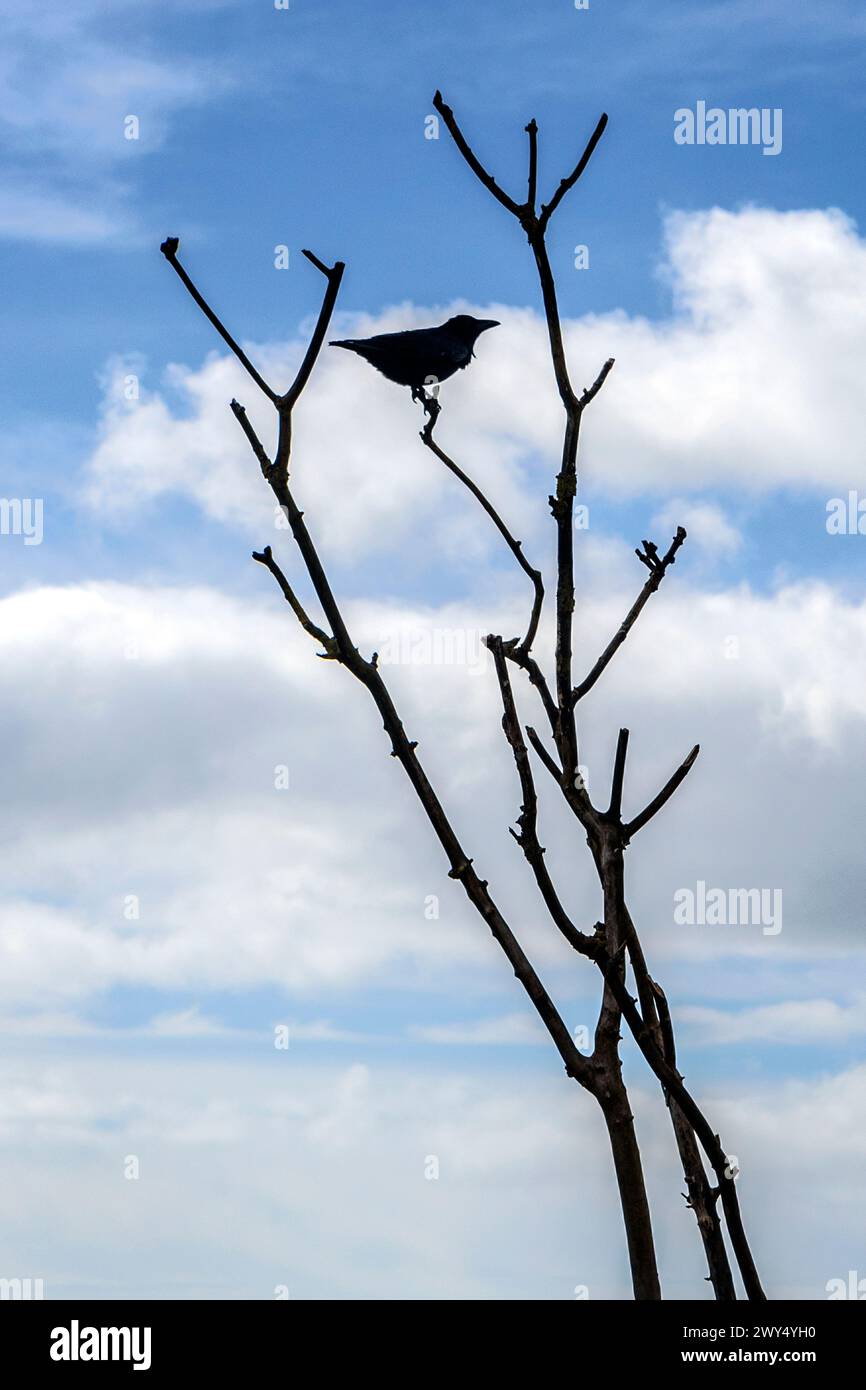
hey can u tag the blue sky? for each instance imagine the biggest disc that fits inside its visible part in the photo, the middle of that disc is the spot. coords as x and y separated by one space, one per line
337 100
151 683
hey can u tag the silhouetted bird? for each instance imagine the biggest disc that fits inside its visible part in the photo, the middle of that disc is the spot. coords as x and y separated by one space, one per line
421 356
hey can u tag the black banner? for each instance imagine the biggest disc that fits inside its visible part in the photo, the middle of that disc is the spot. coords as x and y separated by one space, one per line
155 1339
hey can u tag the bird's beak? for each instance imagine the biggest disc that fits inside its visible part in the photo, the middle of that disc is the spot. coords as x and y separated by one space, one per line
487 323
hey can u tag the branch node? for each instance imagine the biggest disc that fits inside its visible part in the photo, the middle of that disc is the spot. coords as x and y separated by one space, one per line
460 869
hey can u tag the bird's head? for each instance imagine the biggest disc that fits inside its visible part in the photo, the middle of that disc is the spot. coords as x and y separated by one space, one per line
468 329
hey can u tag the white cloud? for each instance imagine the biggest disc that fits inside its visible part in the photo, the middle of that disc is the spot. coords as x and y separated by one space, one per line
752 385
185 1023
796 1022
318 1172
706 524
29 213
156 787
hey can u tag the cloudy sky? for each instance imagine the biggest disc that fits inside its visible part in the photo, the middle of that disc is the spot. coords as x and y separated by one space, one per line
204 841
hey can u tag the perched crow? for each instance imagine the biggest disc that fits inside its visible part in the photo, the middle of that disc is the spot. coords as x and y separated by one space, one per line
421 356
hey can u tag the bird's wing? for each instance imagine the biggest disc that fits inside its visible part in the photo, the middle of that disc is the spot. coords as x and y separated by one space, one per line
411 357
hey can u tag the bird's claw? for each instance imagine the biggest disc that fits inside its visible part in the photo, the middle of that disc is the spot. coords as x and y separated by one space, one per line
430 404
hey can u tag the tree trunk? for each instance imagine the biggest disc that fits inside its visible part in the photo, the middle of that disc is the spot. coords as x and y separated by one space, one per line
632 1191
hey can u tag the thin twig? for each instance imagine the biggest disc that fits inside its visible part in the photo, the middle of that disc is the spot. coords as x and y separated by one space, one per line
657 574
471 159
592 391
615 809
663 797
169 250
537 678
532 132
258 449
547 210
514 546
546 759
333 275
528 818
266 558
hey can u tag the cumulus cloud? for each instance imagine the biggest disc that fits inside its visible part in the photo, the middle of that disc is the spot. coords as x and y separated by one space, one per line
172 854
706 524
148 840
752 384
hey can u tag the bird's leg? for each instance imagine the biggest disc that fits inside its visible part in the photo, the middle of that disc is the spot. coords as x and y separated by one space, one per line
429 402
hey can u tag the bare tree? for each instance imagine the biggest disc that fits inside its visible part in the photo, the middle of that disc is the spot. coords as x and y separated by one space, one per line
613 944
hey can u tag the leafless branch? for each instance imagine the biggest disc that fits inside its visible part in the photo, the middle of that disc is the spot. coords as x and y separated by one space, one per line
547 760
527 837
241 416
655 1014
333 274
266 558
527 663
562 505
169 249
664 796
672 1081
514 546
657 574
547 210
471 159
532 132
615 809
592 391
